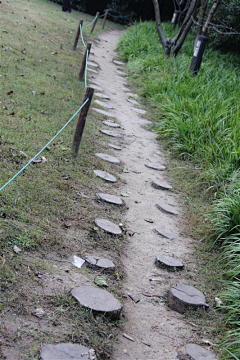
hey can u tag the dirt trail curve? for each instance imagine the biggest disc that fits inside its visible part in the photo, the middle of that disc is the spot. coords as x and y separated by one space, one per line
158 332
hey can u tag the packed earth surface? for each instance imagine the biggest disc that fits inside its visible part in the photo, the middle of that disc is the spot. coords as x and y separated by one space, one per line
151 329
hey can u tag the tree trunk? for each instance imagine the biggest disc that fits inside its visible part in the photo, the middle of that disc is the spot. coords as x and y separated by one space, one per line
210 15
201 17
166 43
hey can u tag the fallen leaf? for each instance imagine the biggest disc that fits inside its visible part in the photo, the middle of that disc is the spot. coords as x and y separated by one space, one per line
101 280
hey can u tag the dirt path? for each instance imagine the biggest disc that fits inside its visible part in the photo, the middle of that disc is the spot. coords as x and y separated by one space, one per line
157 331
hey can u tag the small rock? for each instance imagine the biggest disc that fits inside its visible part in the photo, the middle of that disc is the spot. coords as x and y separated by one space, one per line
40 312
16 249
134 298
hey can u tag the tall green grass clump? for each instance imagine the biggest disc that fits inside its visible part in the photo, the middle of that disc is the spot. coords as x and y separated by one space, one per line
199 118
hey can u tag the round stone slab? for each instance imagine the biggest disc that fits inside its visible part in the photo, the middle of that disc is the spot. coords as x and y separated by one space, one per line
96 87
156 166
166 234
98 300
168 262
139 111
134 102
118 62
111 123
104 175
108 158
108 226
93 64
197 352
103 104
182 297
66 351
132 95
167 208
96 263
93 71
102 96
115 147
121 73
161 185
110 133
112 199
103 112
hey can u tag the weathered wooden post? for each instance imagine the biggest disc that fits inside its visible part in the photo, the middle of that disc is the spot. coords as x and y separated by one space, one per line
104 19
81 73
81 121
94 24
77 35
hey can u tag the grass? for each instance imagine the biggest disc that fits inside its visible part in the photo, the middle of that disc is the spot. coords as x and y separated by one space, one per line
48 210
197 118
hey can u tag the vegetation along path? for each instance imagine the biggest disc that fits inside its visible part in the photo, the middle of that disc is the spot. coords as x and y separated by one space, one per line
151 330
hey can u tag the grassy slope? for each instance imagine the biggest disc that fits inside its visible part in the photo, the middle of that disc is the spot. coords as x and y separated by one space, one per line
48 210
199 119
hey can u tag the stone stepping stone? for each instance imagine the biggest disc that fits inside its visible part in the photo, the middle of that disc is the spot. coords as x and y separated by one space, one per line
121 82
115 147
93 64
102 96
132 95
66 351
112 199
93 71
168 209
134 102
197 352
111 123
118 62
106 176
166 234
96 87
98 300
103 112
121 73
96 263
110 133
125 88
108 226
182 297
156 166
161 185
108 158
168 262
103 104
139 111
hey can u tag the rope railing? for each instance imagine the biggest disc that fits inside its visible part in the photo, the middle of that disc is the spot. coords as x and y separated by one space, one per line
49 142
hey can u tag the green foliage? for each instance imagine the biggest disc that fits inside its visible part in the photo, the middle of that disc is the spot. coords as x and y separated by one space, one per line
199 119
227 20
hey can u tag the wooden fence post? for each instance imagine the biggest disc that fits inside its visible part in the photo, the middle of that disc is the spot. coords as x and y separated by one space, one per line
104 19
88 49
77 35
81 121
94 24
